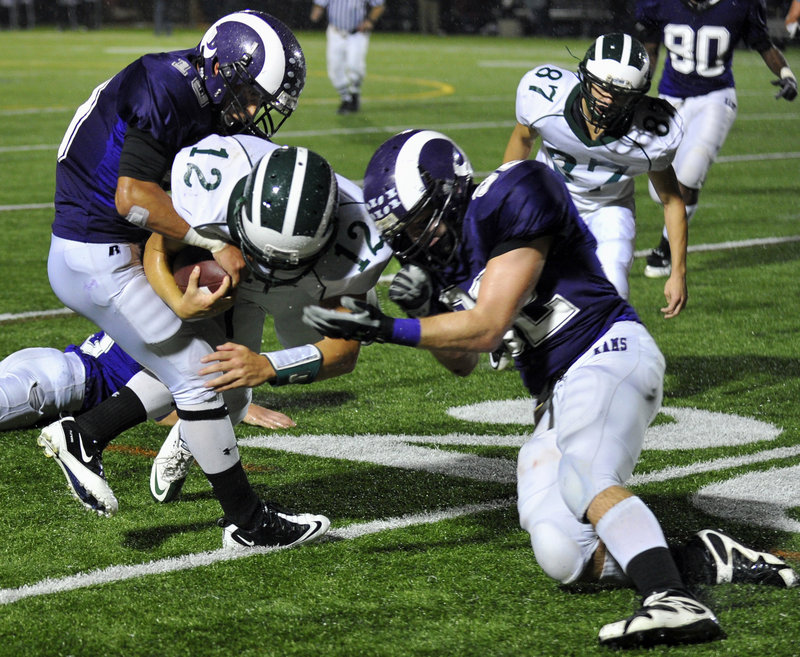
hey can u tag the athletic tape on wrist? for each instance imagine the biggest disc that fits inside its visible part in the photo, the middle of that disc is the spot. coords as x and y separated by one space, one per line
406 332
295 365
786 72
194 238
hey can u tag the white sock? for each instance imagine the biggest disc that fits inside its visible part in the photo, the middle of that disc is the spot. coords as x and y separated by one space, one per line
629 528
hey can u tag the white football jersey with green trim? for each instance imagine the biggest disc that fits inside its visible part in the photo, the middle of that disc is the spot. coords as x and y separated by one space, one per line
204 177
599 172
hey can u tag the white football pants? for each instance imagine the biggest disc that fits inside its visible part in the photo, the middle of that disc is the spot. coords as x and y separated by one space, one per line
346 56
614 228
707 120
106 284
589 439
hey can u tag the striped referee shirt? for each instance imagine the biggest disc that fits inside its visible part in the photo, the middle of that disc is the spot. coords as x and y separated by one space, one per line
347 15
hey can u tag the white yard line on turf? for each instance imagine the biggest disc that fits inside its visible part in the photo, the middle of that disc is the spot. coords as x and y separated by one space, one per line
696 248
189 561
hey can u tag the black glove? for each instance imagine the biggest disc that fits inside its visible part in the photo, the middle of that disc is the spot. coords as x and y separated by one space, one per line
412 289
365 323
788 88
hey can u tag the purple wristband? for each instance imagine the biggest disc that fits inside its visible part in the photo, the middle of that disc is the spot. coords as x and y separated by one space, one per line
406 332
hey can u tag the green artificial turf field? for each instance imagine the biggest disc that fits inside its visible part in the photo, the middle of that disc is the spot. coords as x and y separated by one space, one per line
425 555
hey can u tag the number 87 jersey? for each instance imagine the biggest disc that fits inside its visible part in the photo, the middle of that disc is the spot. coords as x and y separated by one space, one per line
598 172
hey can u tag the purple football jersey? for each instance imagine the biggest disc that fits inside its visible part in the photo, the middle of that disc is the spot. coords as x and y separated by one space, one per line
573 303
700 42
161 94
107 366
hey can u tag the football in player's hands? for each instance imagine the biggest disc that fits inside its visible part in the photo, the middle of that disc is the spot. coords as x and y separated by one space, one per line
211 273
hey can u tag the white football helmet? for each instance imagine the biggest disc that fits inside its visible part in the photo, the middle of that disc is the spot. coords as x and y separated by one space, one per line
618 67
251 58
284 214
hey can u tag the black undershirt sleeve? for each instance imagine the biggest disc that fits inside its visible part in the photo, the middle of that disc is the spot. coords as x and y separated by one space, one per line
143 158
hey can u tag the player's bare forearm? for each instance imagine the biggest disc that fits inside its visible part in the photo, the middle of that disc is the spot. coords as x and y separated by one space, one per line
192 304
520 143
774 60
148 205
238 367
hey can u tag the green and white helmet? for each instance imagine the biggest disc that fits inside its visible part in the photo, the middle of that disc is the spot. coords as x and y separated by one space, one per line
617 67
284 215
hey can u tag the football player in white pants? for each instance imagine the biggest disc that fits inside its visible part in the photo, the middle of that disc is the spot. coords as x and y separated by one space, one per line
513 253
291 269
40 384
599 131
347 42
245 75
700 37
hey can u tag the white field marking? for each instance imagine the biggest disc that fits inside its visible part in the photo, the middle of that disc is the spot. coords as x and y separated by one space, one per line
387 278
693 428
756 498
35 314
677 472
695 248
27 206
396 451
196 560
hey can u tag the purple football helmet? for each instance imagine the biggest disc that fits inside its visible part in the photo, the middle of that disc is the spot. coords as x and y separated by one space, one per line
250 58
416 187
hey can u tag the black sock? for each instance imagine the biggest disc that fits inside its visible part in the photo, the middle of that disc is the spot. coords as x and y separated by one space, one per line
240 503
654 570
101 424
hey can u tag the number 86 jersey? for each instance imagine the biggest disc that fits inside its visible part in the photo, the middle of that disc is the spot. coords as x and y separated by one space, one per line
597 172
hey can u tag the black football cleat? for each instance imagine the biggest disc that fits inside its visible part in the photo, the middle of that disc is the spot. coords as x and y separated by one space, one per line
278 528
711 557
659 260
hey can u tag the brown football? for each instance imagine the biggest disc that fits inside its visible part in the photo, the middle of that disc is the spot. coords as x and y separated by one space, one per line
211 274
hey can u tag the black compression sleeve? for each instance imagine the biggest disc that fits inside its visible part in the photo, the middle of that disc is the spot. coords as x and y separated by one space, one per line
143 158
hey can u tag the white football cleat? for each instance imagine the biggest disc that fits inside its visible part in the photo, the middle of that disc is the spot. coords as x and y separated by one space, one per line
81 464
666 617
170 467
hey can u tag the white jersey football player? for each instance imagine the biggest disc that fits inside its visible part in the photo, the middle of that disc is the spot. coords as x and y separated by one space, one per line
307 240
599 131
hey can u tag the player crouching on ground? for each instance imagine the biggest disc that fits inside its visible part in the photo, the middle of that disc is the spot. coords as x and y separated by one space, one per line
513 254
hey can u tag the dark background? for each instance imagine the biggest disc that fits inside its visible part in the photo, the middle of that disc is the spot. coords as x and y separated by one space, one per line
498 17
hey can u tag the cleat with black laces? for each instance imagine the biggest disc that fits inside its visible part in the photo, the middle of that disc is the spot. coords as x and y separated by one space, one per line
82 466
665 617
279 528
659 260
170 467
711 557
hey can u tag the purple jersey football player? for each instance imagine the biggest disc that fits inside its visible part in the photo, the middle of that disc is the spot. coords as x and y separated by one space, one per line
514 259
700 38
39 383
246 74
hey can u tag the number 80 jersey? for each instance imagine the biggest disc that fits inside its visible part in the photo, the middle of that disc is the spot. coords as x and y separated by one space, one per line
597 172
